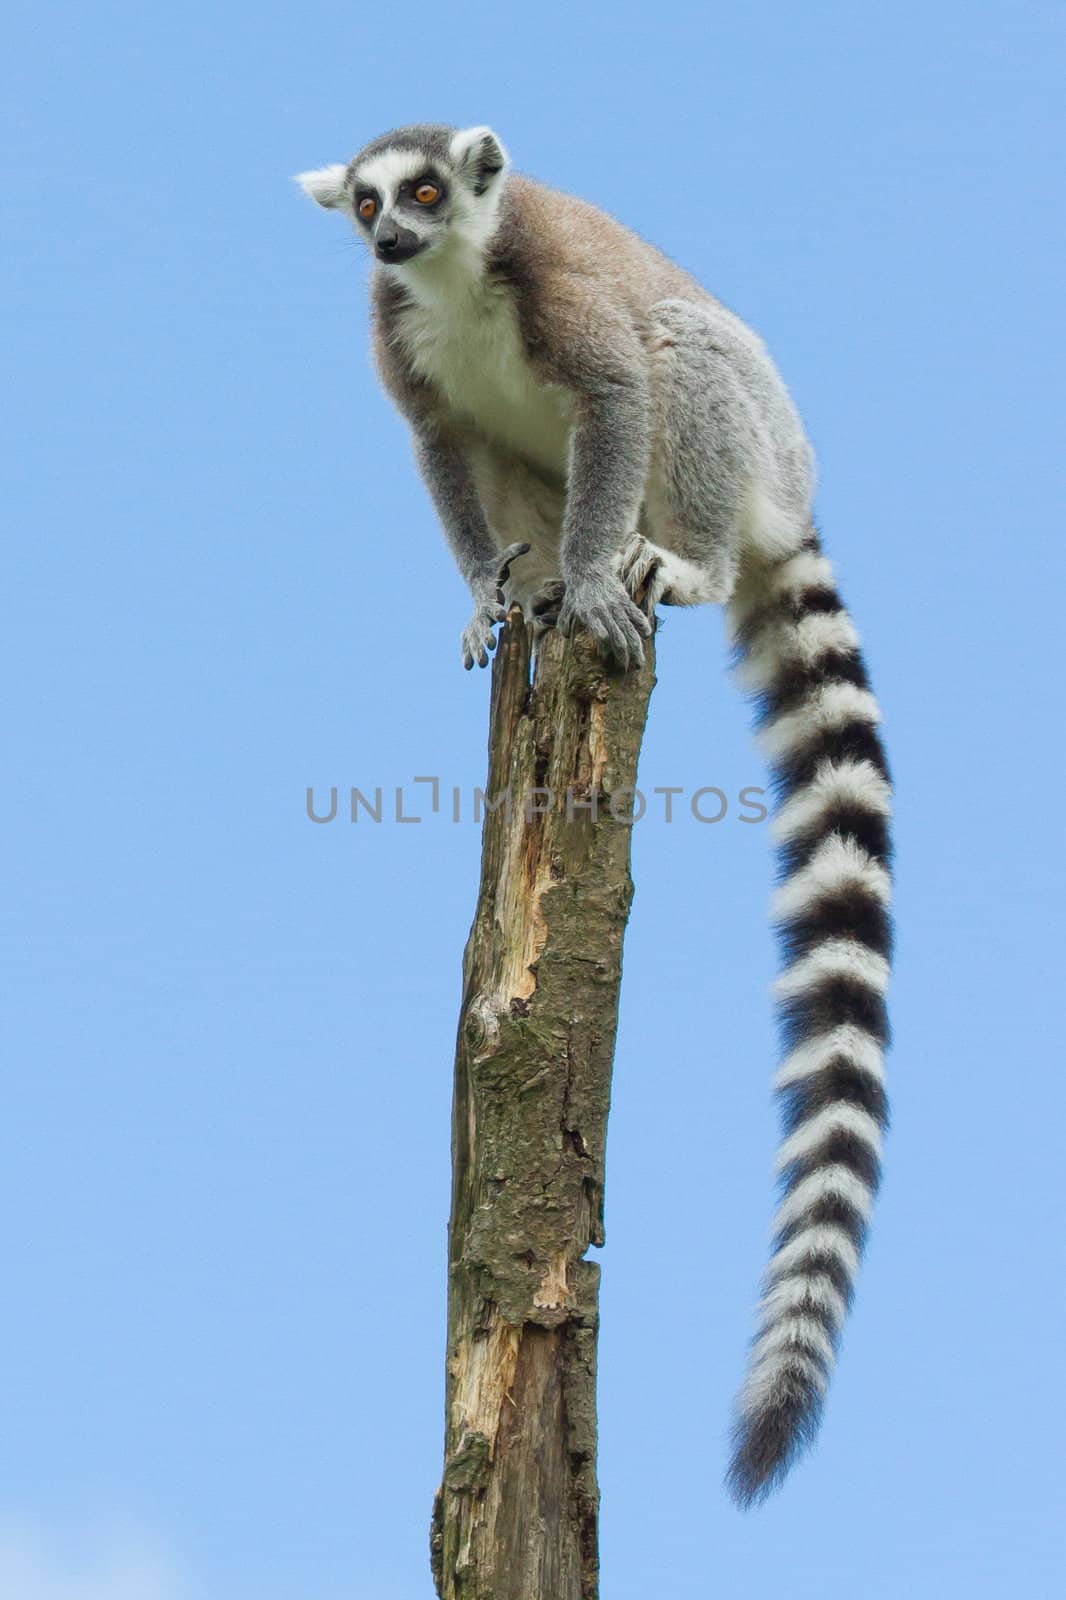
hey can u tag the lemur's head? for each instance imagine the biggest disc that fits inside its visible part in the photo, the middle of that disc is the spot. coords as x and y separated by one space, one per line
412 191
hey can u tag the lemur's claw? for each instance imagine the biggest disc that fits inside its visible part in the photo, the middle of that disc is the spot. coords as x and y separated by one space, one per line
642 575
545 605
616 623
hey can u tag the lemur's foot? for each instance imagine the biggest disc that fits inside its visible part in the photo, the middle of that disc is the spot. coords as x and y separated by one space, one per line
489 608
641 571
601 605
545 605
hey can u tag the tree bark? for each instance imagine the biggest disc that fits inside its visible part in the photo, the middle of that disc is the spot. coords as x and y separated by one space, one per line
515 1517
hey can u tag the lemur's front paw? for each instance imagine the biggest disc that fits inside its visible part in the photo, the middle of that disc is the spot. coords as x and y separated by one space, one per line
602 605
478 638
489 608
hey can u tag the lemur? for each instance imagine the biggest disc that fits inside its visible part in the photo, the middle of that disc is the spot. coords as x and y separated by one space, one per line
601 436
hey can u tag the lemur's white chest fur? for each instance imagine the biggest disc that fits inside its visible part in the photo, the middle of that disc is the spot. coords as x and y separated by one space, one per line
463 336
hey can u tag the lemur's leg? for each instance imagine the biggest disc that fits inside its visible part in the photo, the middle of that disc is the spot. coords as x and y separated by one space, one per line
731 474
697 481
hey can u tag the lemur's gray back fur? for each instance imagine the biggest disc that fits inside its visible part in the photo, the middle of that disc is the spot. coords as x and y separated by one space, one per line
600 436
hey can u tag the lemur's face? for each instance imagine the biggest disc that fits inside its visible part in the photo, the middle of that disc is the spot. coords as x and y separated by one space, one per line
410 191
402 201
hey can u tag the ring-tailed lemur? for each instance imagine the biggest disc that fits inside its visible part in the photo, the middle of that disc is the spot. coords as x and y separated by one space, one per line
579 402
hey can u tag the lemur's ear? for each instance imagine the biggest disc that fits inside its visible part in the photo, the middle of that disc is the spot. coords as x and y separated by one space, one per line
326 185
479 157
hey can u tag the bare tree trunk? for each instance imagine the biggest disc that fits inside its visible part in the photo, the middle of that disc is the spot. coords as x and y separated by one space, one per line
516 1514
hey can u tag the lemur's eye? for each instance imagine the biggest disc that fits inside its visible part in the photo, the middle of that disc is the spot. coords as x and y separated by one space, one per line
367 207
426 193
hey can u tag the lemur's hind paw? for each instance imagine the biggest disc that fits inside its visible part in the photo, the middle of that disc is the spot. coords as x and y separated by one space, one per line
545 605
489 608
641 571
503 564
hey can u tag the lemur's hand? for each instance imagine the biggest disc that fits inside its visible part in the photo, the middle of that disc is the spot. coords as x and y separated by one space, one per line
601 605
478 638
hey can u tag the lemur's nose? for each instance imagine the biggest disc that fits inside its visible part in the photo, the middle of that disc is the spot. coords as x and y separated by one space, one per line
395 243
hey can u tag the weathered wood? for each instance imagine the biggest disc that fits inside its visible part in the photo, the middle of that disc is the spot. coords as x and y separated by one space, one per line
516 1515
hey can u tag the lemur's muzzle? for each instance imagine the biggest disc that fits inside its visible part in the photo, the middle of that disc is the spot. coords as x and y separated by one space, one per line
394 243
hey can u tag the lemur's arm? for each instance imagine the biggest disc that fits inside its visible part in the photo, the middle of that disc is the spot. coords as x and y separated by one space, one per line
600 358
446 473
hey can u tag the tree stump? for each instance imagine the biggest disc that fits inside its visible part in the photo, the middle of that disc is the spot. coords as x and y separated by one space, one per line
516 1515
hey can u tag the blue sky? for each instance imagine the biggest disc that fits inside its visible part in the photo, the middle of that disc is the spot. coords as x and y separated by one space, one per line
224 1136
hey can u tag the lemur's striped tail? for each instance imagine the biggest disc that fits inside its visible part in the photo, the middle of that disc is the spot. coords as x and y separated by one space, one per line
799 653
